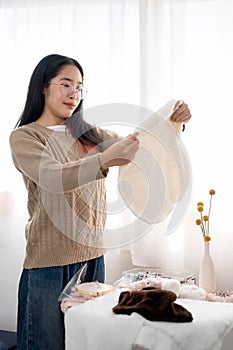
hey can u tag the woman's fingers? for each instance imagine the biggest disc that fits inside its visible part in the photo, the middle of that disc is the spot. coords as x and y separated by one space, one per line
121 152
181 113
133 136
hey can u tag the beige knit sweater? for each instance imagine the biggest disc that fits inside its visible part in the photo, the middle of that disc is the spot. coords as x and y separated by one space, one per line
66 195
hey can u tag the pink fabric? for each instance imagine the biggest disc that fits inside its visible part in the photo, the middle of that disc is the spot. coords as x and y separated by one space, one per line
148 282
74 299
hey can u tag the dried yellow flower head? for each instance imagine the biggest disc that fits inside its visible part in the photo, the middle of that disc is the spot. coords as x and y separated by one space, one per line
205 217
200 204
200 209
207 238
198 221
212 192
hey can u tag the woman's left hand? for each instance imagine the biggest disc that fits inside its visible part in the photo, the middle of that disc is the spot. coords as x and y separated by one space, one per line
181 113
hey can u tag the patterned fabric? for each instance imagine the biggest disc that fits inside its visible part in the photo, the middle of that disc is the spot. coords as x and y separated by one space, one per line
66 195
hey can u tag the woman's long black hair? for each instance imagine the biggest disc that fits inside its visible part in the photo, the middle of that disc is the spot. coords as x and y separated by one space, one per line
48 68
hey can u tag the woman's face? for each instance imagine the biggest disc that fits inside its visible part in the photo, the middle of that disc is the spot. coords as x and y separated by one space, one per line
59 104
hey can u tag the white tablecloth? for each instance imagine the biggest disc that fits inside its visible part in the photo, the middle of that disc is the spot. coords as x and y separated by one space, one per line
94 326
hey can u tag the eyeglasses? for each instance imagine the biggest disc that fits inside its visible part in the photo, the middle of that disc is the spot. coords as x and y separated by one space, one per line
68 89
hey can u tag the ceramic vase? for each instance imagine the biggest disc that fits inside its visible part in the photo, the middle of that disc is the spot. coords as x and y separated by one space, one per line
207 279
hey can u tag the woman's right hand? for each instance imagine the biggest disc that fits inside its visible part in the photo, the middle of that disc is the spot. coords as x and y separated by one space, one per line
122 152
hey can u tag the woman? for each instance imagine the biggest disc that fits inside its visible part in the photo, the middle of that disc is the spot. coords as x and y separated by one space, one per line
63 161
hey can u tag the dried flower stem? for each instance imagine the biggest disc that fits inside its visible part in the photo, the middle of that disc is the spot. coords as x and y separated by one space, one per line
208 226
202 225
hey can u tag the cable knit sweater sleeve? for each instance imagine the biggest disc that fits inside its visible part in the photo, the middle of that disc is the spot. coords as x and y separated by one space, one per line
51 160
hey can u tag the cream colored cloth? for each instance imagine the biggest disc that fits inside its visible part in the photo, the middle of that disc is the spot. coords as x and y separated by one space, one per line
160 174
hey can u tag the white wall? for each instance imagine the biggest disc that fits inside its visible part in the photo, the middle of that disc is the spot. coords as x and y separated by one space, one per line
12 249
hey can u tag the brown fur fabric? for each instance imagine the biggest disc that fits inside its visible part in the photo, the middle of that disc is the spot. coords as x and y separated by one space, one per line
153 304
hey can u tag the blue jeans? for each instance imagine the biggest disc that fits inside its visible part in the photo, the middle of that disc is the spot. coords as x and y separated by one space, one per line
40 320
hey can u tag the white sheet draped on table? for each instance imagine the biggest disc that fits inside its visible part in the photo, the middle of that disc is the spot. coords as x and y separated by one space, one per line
94 326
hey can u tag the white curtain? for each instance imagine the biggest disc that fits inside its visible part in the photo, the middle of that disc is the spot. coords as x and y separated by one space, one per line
139 52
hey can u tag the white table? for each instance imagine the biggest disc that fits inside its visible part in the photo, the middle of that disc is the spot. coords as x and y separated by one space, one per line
93 326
